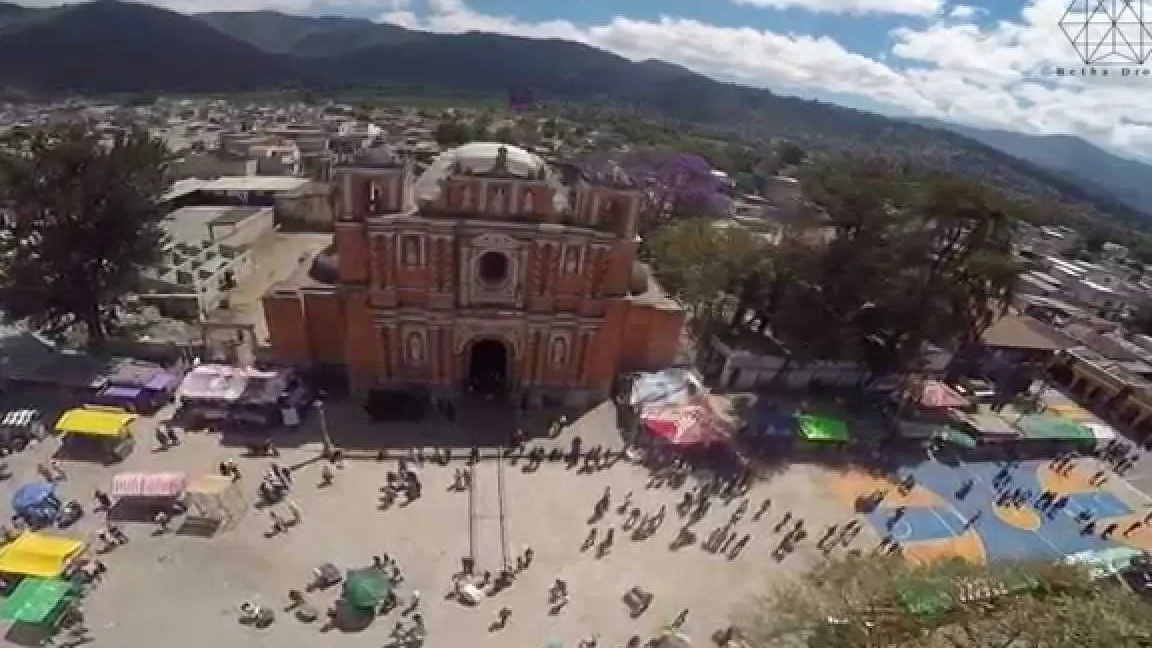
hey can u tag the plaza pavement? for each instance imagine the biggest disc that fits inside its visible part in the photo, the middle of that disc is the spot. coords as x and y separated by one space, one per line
182 592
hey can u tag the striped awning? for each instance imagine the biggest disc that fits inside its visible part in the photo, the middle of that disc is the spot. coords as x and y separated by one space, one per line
20 418
149 484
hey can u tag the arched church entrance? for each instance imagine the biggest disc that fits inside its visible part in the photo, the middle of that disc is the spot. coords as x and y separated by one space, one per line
489 368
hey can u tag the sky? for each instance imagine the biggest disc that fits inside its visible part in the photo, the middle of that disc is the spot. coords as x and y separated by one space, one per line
989 63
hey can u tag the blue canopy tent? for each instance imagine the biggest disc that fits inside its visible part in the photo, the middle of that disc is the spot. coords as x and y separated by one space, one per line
765 421
36 502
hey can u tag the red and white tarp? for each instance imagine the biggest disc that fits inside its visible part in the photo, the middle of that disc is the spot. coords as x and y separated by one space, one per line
686 425
935 394
149 484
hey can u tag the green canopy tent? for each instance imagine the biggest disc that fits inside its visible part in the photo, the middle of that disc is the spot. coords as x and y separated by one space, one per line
826 429
1039 427
955 437
366 588
37 601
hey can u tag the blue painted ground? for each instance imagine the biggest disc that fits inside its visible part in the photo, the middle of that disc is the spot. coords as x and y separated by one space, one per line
1058 535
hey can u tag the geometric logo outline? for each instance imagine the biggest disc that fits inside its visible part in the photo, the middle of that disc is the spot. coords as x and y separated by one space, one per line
1109 32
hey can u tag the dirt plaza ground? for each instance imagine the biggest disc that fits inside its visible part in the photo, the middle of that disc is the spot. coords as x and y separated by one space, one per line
183 591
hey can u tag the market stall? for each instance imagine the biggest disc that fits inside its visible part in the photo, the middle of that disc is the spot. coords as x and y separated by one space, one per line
106 431
1054 433
209 390
45 603
823 429
214 503
36 503
148 493
39 555
686 425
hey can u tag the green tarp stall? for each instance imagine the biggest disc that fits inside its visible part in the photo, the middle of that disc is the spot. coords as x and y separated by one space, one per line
928 597
366 588
956 437
36 601
824 429
1039 427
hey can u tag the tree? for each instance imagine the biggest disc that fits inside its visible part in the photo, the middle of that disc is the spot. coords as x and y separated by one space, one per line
873 602
450 134
676 184
790 153
701 264
87 221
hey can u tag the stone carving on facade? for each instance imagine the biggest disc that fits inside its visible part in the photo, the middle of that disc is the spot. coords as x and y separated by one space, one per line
412 251
466 197
415 348
571 260
552 270
495 242
558 351
529 202
496 200
466 331
501 164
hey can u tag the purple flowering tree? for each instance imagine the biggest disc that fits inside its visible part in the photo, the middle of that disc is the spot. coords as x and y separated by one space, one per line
675 183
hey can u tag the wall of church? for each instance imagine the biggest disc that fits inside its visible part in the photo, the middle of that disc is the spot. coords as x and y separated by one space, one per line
352 247
326 328
287 328
361 350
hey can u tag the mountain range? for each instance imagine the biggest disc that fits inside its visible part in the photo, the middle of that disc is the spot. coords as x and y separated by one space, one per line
110 47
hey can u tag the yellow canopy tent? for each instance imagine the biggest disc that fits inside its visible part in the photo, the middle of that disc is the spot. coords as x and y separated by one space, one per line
38 555
95 422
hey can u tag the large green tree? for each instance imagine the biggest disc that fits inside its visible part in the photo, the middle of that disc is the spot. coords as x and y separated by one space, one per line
87 221
874 602
703 265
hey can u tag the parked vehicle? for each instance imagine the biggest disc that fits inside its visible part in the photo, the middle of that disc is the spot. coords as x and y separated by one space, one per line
18 428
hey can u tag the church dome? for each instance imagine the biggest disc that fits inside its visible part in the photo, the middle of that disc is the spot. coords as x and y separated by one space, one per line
477 158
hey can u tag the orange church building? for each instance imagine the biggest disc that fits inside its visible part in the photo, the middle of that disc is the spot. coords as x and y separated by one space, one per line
491 271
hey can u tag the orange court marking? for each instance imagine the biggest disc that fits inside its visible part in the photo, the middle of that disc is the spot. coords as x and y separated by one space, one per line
1020 517
1077 481
856 483
967 546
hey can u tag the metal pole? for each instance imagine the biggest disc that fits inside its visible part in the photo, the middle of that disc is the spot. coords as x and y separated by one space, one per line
325 436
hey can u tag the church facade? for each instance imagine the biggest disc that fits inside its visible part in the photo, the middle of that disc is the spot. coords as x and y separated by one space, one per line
491 271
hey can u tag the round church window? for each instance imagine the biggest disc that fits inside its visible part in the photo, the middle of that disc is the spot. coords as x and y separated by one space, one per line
493 269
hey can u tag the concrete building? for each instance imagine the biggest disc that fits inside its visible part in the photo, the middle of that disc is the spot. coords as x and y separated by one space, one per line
206 254
491 272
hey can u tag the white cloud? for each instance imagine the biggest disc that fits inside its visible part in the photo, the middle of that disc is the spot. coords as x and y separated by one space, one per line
1000 75
902 7
965 12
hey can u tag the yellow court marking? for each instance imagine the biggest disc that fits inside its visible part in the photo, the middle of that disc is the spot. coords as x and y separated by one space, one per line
855 484
1023 518
1077 481
967 546
1141 538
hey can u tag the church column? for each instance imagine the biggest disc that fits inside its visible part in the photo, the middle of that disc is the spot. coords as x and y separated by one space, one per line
387 336
583 362
395 347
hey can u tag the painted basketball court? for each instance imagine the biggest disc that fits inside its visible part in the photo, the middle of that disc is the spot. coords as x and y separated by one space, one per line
936 520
